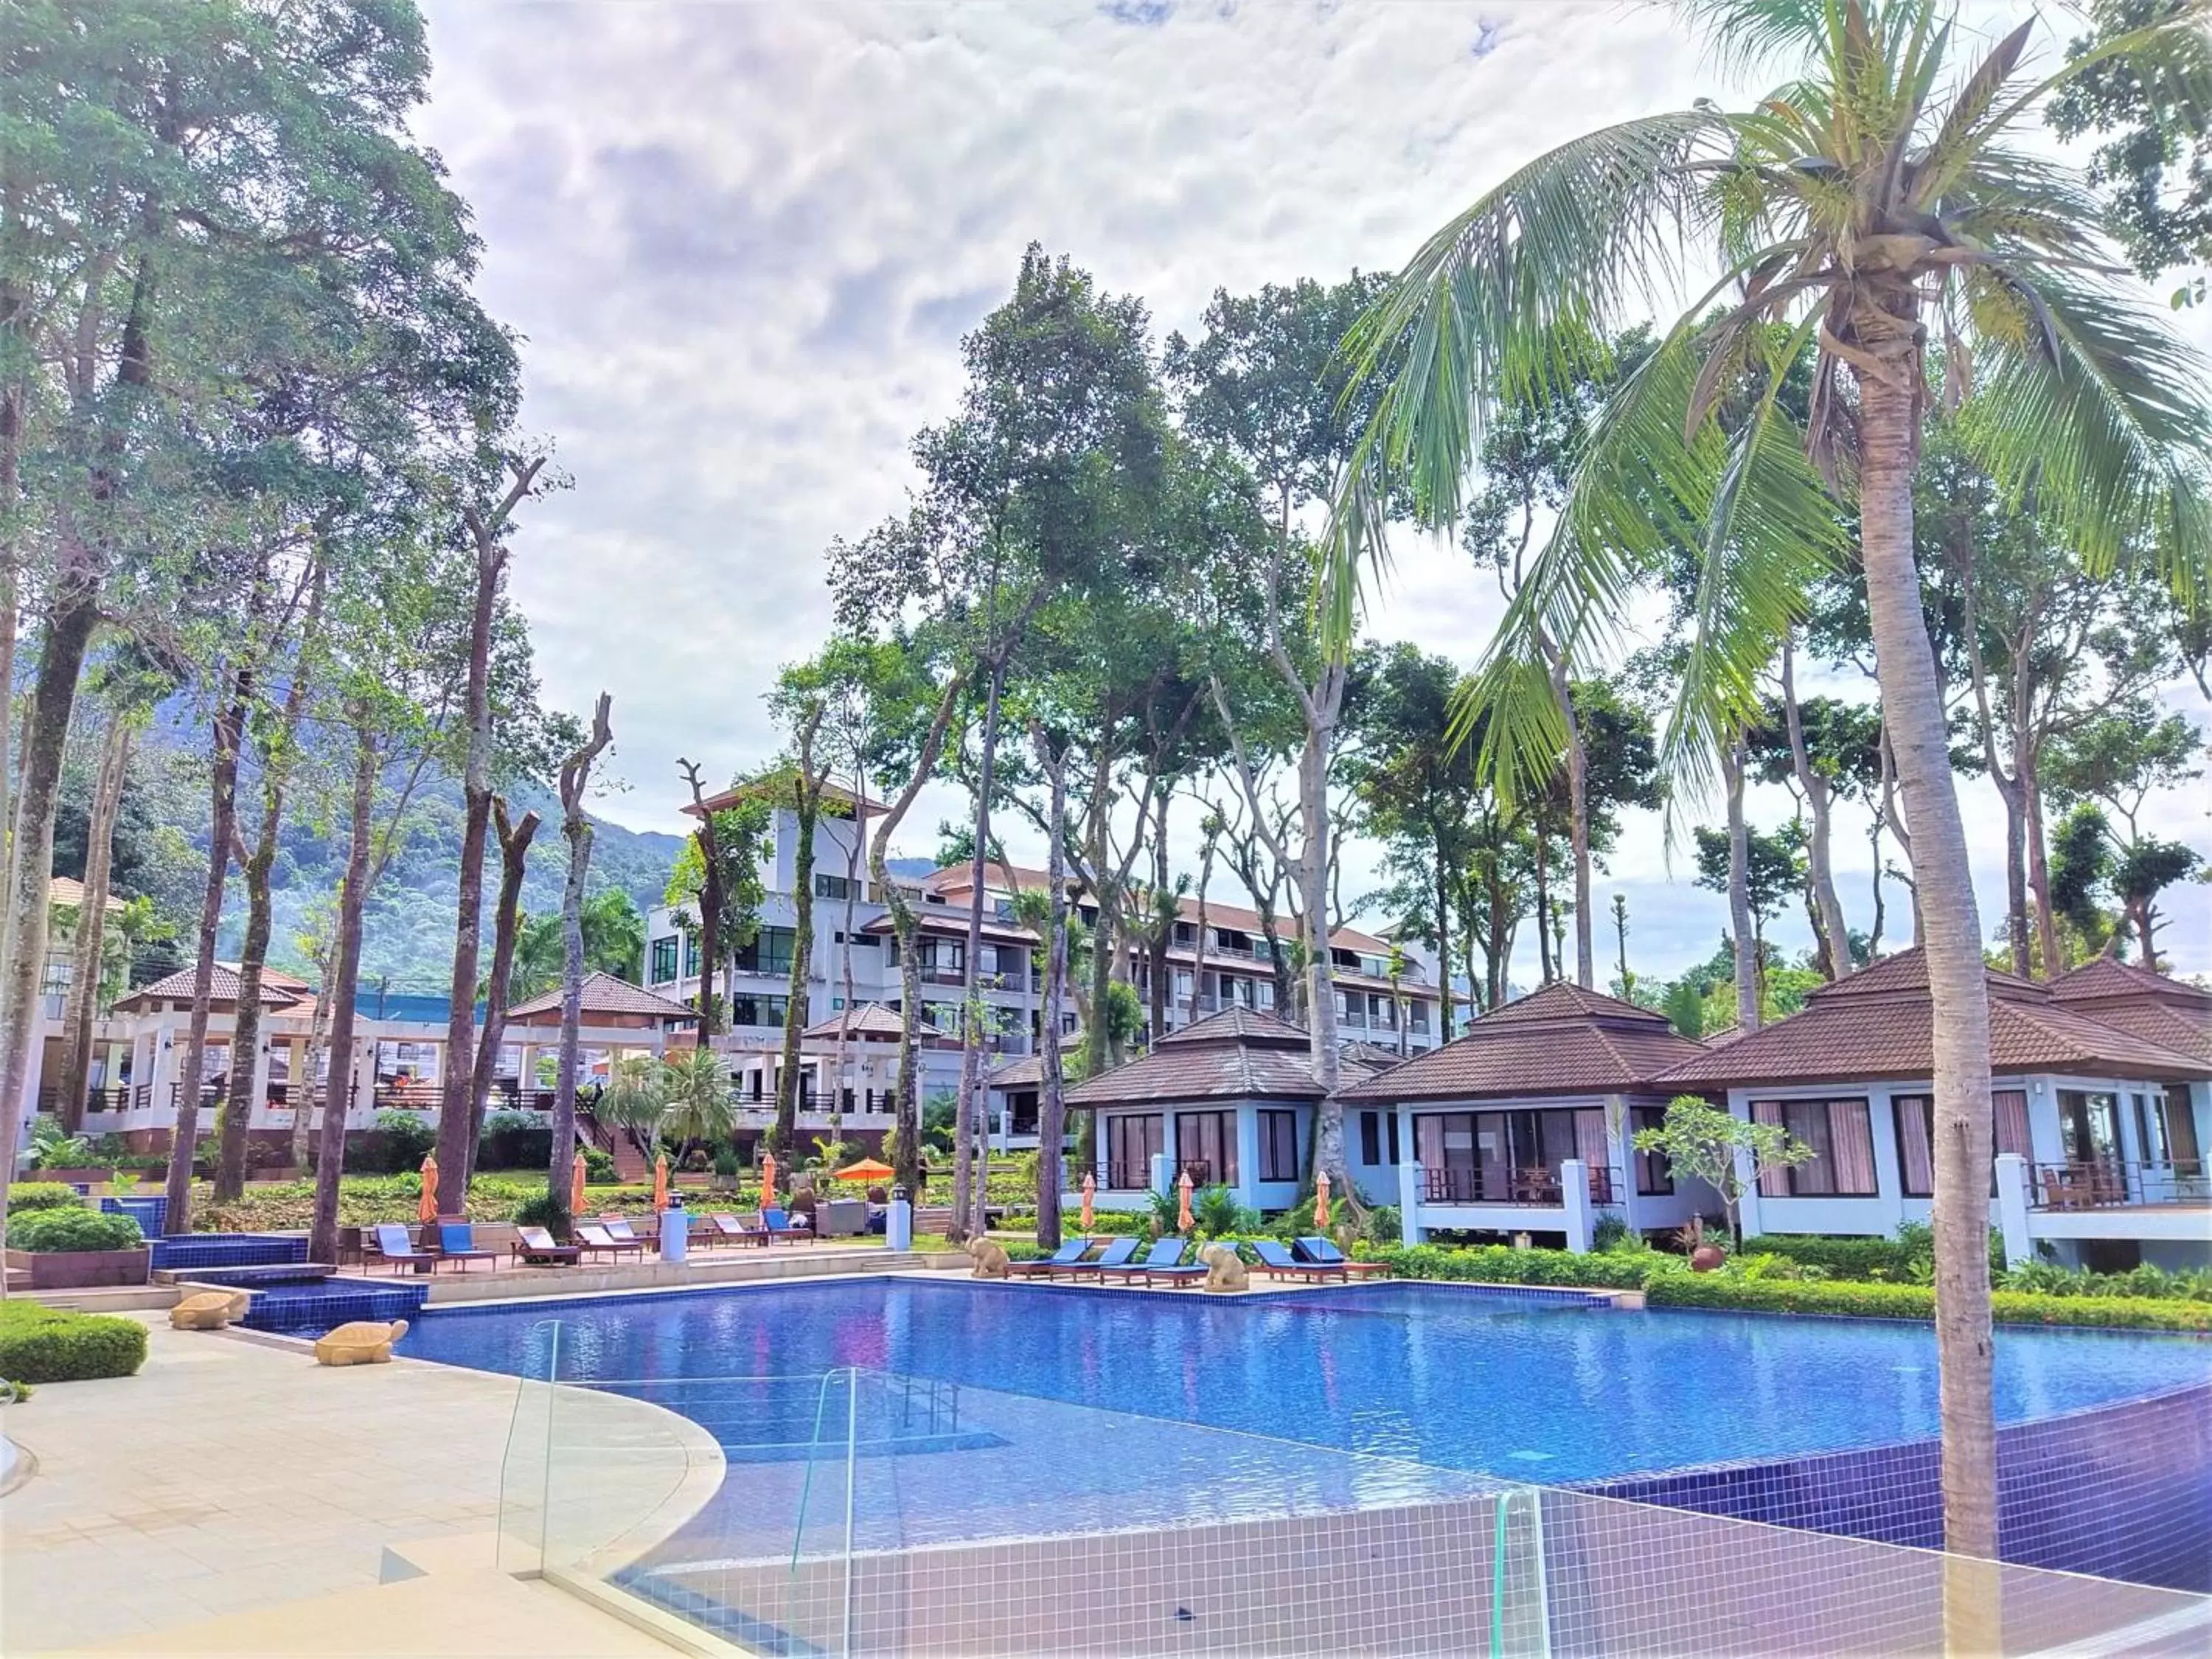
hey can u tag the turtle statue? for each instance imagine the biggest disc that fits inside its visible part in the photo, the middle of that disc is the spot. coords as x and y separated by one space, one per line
989 1257
208 1310
1224 1268
363 1342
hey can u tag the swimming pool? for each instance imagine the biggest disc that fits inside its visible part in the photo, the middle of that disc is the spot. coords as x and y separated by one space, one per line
1550 1389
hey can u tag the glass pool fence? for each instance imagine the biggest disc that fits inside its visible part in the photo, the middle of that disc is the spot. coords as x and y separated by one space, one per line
859 1513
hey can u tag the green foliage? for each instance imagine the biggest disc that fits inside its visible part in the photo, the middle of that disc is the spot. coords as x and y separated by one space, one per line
1681 1289
44 1231
52 1345
1501 1264
398 1143
599 1168
51 1148
1610 1234
1217 1214
2145 1280
1702 1140
27 1195
288 1206
514 1140
539 1209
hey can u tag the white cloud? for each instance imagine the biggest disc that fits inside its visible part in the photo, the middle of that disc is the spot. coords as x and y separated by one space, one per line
743 240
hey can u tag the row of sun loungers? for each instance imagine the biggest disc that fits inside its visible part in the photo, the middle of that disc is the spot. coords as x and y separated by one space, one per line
610 1237
1317 1261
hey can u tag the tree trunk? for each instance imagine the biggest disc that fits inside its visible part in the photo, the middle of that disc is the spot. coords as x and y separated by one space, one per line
223 834
301 1088
1320 968
1748 1010
338 1099
845 955
514 840
2039 871
1052 1088
1443 946
2017 919
1819 801
576 830
1197 967
1545 967
967 1205
1913 714
89 946
1578 837
807 800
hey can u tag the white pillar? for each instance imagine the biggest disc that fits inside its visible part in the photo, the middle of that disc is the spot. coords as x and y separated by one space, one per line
1162 1172
1410 1231
257 1105
2012 1208
1575 1196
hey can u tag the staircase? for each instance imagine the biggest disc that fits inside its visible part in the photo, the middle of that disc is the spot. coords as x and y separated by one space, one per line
631 1164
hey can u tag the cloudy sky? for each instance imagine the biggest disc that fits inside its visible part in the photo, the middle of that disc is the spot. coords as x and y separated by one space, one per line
743 240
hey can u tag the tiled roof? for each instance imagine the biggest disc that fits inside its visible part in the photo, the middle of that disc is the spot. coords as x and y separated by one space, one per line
2168 1011
1561 1040
67 889
869 1019
1879 1023
1240 1054
222 987
953 924
605 995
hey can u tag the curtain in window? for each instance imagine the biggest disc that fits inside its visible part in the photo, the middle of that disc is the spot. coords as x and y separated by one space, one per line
2011 1107
1775 1183
1850 1131
1590 1143
1915 1156
2180 1129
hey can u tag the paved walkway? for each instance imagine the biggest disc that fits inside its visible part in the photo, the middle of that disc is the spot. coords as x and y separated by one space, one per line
228 1476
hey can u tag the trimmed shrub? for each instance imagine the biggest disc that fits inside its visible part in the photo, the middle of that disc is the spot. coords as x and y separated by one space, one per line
27 1195
398 1144
49 1345
540 1209
46 1231
514 1140
599 1168
1501 1264
1679 1288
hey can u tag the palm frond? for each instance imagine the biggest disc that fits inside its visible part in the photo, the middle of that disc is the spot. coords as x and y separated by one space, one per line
1746 37
1952 149
2101 410
2172 59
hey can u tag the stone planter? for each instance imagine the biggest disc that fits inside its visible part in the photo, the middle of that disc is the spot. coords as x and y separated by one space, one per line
90 1175
74 1270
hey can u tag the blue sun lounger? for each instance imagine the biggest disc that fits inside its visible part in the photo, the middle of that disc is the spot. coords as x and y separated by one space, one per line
1115 1254
1164 1262
1070 1252
1277 1262
1323 1253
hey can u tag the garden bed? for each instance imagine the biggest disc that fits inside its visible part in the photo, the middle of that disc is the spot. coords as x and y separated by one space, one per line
76 1270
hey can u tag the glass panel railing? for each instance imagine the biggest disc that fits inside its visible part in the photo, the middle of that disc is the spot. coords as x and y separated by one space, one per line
527 1461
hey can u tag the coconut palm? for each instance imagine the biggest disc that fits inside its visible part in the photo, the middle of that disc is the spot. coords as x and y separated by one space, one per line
1880 210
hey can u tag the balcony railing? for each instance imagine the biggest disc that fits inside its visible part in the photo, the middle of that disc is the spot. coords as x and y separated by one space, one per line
1534 1186
2111 1183
1128 1177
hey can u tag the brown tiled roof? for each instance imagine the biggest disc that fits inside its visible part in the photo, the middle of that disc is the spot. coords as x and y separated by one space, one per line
1562 1040
831 796
1240 1054
222 988
1879 1023
869 1019
603 994
953 924
2168 1011
67 889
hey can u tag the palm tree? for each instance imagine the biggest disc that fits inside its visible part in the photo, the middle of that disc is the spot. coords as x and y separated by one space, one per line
1878 212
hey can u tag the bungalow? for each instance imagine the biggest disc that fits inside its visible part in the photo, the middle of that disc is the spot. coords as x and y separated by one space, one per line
2100 1104
1526 1122
1230 1101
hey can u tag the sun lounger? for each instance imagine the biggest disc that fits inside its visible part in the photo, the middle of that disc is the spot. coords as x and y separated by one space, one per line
534 1246
728 1229
620 1231
780 1225
393 1245
1066 1255
1162 1262
1277 1262
595 1240
1117 1254
1323 1253
457 1243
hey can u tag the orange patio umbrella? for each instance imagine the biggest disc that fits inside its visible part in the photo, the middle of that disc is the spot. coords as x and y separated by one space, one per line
577 1187
1183 1222
427 1211
660 1181
1090 1188
768 1179
867 1169
1320 1200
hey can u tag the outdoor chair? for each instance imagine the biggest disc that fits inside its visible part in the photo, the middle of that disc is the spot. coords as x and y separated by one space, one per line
727 1229
534 1246
1277 1262
457 1243
1117 1254
595 1240
1322 1253
1070 1252
782 1226
1164 1262
393 1245
620 1231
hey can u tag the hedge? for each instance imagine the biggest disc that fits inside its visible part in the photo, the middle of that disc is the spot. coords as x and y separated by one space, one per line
1501 1264
1870 1259
25 1196
44 1231
50 1345
1679 1288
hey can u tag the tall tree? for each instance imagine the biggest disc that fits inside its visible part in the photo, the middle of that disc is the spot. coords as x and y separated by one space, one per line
575 784
89 937
804 781
1879 197
514 838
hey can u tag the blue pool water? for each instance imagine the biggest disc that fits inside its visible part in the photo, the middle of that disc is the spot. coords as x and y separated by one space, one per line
1552 1391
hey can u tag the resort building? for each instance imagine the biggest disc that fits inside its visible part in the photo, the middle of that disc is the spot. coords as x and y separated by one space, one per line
2100 1099
1525 1124
1230 1101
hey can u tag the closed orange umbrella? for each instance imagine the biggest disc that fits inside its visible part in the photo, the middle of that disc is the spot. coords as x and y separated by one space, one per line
1183 1222
427 1211
576 1174
767 1180
1090 1188
1320 1200
660 1181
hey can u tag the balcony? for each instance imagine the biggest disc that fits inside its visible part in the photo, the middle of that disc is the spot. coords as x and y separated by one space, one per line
1534 1187
2113 1184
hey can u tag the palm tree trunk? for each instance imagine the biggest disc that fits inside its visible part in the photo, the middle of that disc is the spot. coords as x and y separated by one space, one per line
1052 1102
89 946
964 1108
1740 920
337 1098
1913 713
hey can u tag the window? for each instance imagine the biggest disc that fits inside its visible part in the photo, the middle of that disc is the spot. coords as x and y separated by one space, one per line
1206 1146
1279 1146
1916 1144
746 1010
1841 1135
2089 1125
691 958
1417 1017
1654 1176
664 960
1132 1140
767 952
1378 1138
835 887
